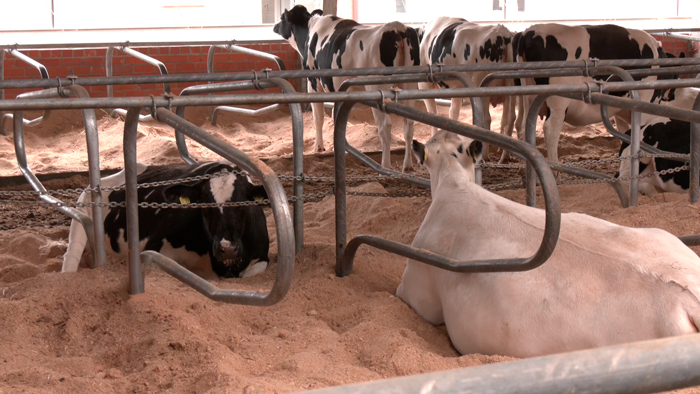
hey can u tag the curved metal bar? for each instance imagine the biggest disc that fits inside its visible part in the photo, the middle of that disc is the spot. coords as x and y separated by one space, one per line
477 114
97 243
43 73
109 69
658 365
614 183
21 156
297 139
250 52
531 138
345 255
280 210
131 124
624 137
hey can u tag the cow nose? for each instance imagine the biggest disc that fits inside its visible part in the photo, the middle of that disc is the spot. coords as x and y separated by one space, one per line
231 250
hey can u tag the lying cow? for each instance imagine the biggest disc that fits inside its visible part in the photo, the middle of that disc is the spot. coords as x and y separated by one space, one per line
554 42
230 241
455 41
667 134
328 42
604 284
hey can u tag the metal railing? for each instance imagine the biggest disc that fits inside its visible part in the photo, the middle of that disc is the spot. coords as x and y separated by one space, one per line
43 74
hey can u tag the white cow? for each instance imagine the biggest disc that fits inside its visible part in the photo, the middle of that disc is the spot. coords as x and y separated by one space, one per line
604 284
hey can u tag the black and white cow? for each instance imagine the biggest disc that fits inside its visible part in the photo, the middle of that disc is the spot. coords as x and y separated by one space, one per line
329 42
456 41
230 241
555 42
670 135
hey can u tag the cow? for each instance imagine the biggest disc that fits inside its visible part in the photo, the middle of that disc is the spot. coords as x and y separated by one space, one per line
328 42
456 41
669 135
555 42
604 284
226 241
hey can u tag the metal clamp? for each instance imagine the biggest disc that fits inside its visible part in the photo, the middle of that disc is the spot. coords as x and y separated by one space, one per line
587 95
256 81
169 97
154 109
382 102
61 93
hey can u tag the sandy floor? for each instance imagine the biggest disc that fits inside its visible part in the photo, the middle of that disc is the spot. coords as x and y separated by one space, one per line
82 332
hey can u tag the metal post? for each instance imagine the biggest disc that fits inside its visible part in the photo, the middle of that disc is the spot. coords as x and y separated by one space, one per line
340 124
695 157
531 138
43 74
639 367
131 124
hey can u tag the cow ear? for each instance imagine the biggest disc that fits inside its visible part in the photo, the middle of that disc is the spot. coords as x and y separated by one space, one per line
475 150
181 194
257 193
317 12
420 152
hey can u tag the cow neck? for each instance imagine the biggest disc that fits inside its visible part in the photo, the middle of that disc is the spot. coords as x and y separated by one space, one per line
449 175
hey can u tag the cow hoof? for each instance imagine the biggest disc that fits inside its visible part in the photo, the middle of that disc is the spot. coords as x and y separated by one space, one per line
408 169
254 269
320 149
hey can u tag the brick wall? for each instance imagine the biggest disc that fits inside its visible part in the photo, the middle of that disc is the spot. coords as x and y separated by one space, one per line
178 60
674 45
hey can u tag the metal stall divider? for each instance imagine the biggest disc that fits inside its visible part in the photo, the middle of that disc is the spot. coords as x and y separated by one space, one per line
109 67
250 52
43 73
92 225
345 256
273 187
297 139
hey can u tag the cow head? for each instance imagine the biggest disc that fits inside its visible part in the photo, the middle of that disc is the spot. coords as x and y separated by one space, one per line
446 148
227 230
294 26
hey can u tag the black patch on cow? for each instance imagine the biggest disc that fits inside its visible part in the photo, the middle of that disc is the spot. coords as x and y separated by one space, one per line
578 53
312 44
534 48
442 44
411 38
663 94
467 52
187 227
389 46
362 47
443 85
335 45
420 31
454 155
460 148
672 136
493 51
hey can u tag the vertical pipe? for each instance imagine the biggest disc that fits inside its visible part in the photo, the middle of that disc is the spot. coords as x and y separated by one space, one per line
340 128
210 70
635 151
695 157
531 138
131 125
93 152
2 78
110 71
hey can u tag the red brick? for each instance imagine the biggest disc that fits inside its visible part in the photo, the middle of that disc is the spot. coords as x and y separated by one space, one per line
197 59
164 51
71 61
175 50
145 69
123 70
92 61
67 53
14 72
221 57
81 70
184 68
59 72
200 67
176 59
50 62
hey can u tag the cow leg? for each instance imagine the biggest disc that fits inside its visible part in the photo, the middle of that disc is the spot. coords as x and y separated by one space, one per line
408 125
430 105
455 107
318 113
77 239
384 129
487 126
255 268
508 122
552 128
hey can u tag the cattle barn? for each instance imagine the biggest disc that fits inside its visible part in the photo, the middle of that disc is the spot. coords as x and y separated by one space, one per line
292 195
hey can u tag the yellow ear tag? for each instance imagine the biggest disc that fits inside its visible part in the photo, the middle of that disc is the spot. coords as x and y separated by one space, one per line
258 198
425 156
184 200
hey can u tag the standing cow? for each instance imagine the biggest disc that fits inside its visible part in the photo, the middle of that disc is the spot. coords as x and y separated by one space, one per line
555 42
228 241
455 41
329 42
604 284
